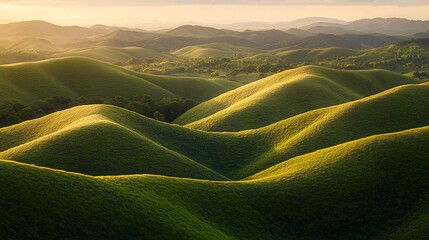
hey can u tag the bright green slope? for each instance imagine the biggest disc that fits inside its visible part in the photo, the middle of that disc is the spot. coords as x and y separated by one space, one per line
135 144
115 54
79 76
373 188
287 94
215 50
97 140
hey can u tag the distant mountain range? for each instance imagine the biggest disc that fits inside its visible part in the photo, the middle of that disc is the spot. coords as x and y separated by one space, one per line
279 25
308 32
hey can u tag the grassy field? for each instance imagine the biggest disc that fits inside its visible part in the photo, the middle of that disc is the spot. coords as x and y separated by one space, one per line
287 94
366 189
136 144
354 170
77 76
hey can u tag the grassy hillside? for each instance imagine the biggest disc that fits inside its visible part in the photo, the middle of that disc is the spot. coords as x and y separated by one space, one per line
71 77
287 94
115 55
367 189
215 50
77 76
66 141
403 56
200 89
32 45
406 106
135 144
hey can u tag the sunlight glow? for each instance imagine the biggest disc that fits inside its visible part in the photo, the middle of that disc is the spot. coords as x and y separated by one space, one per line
159 16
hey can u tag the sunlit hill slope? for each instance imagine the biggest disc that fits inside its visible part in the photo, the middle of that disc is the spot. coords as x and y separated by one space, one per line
77 76
287 94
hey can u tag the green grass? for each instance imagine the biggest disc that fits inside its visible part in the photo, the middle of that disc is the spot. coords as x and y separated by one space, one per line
115 54
70 140
246 78
287 94
134 144
366 189
309 153
215 50
78 76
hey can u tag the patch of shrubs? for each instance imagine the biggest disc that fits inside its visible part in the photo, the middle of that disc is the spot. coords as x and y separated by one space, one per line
162 109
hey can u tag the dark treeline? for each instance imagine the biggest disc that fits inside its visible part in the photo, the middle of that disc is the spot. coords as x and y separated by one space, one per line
162 109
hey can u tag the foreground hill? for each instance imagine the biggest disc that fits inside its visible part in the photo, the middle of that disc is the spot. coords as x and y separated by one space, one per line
65 140
77 76
374 188
287 94
115 55
136 144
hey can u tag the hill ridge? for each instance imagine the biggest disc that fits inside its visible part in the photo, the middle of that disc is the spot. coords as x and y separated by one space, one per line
355 193
287 94
220 152
79 76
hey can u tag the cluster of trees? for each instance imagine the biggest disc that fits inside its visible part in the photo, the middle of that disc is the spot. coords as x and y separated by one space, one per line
162 109
420 75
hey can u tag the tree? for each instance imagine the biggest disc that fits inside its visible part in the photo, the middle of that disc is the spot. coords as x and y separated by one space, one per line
420 75
214 74
159 116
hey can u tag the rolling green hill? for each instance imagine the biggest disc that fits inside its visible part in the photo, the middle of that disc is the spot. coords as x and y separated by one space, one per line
403 56
66 141
135 144
287 94
77 76
215 50
367 189
115 55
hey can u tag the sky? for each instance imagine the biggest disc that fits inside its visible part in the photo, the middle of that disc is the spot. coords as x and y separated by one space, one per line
152 14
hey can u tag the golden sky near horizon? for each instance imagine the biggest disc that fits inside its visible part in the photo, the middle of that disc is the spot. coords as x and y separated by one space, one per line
79 12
